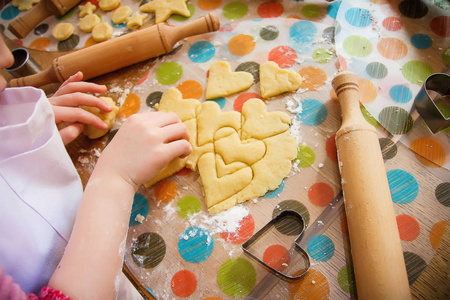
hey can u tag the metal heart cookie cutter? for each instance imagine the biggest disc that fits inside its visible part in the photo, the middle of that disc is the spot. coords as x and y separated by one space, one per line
432 99
276 251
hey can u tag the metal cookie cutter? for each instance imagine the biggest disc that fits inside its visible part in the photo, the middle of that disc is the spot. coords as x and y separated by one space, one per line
434 95
294 251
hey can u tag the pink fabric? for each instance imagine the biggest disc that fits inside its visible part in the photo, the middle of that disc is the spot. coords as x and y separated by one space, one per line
9 290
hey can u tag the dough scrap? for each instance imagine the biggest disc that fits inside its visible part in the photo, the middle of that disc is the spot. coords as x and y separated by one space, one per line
223 82
163 9
86 9
121 14
108 117
88 22
23 5
136 19
62 31
275 81
107 5
102 32
240 156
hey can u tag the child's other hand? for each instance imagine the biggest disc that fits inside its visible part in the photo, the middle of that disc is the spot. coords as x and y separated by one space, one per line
66 104
145 144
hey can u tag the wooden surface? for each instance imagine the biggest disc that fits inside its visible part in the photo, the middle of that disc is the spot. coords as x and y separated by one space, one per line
433 282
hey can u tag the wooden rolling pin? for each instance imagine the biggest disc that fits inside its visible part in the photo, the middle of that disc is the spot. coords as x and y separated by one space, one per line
378 262
119 52
22 26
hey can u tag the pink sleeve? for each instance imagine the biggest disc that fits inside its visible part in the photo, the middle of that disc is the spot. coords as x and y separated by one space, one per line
48 293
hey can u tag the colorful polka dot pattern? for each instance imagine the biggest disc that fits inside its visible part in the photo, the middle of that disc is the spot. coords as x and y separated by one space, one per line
372 43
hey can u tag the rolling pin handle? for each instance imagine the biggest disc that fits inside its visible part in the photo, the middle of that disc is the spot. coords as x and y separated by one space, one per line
37 80
23 25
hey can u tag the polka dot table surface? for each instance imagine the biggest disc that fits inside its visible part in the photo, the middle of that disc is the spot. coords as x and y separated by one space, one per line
176 249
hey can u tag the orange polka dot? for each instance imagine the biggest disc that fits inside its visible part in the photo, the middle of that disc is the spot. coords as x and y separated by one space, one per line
166 190
284 56
321 194
241 44
40 44
429 152
367 90
392 48
437 232
392 24
313 286
208 4
90 42
344 225
212 298
130 106
190 89
240 100
379 1
333 96
313 78
408 227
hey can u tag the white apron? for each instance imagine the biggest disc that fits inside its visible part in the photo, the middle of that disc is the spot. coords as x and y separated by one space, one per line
40 189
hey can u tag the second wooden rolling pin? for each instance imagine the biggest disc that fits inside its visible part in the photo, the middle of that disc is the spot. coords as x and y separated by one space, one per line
378 262
119 52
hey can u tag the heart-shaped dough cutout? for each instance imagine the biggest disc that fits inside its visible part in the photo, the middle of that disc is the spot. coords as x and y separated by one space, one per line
223 82
275 81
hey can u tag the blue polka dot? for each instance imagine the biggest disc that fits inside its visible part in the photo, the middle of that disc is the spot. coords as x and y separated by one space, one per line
400 93
275 192
140 206
201 52
421 41
121 25
221 101
320 247
301 36
313 112
10 13
404 187
333 8
358 17
195 244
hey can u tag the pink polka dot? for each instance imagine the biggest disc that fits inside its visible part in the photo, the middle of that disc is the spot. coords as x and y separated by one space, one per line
392 24
441 26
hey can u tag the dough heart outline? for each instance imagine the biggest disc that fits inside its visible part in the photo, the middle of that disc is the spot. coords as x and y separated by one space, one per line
240 156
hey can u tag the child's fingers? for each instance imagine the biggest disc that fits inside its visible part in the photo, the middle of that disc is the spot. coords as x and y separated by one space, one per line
77 99
71 115
179 148
78 76
80 86
164 119
176 131
71 132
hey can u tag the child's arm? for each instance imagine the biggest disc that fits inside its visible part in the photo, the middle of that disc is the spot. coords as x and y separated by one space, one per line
66 101
93 258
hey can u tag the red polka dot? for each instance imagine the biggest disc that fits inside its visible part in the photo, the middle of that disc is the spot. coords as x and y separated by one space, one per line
229 27
184 171
184 283
284 56
321 194
243 233
441 26
240 100
277 257
392 24
408 227
270 10
330 148
143 78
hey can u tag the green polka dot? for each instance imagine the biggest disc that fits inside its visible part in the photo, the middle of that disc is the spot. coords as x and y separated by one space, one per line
377 70
388 148
181 18
291 226
414 266
444 108
311 10
369 118
250 67
416 71
235 10
442 193
148 250
346 279
153 99
446 56
188 206
236 277
169 73
396 120
357 46
269 33
305 156
322 55
69 44
67 15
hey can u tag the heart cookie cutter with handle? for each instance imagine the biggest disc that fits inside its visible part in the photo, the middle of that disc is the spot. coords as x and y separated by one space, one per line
432 97
286 261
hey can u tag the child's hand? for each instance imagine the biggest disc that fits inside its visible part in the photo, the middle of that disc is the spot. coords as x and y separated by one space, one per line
145 144
66 101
